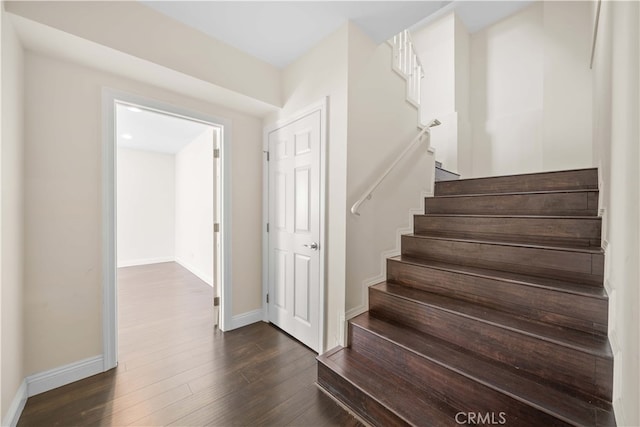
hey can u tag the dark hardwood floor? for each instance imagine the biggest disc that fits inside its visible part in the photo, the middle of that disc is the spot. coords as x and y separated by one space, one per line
176 369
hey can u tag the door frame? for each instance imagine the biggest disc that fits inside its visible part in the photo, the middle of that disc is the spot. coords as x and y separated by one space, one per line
109 260
320 106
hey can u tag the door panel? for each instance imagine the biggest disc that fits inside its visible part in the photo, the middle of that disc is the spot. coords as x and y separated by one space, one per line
302 187
301 288
294 236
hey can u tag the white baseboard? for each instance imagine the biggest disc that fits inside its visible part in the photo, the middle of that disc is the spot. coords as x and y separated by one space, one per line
207 278
16 407
48 380
144 261
63 375
244 319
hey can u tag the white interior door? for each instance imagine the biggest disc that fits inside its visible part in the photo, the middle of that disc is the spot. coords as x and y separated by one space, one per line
294 228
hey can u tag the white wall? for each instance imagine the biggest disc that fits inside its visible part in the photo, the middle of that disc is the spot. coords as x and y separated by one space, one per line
568 99
146 207
165 206
530 91
436 47
463 77
507 65
320 73
616 136
11 217
381 125
443 49
194 204
63 235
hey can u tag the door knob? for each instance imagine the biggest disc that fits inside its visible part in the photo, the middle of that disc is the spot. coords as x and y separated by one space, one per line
313 246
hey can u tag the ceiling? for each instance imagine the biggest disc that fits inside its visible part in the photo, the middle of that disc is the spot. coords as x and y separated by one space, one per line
477 14
152 131
279 32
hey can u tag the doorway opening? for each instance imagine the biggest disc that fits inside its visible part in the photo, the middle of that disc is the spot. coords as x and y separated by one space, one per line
164 212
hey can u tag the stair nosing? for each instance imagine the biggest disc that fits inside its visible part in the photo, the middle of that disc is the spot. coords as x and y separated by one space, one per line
592 250
498 387
459 371
590 351
418 262
327 362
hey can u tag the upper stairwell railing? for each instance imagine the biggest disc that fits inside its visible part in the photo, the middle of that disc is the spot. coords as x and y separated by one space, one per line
407 63
369 193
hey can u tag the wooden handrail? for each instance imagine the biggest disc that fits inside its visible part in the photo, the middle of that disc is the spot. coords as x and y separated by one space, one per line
369 193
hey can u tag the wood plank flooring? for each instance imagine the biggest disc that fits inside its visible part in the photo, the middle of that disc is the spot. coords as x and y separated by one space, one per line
176 369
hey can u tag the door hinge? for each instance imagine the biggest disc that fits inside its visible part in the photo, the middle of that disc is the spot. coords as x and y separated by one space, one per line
267 298
216 301
267 153
216 153
216 227
267 227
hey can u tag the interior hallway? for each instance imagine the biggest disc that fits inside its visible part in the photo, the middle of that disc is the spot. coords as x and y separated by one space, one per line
175 369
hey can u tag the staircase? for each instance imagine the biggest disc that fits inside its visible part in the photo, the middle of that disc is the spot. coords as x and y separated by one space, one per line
494 313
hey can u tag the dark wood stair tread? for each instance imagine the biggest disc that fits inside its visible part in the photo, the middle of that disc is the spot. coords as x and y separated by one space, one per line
522 279
561 231
497 376
576 179
559 217
589 250
496 301
595 345
550 202
582 265
388 389
514 193
524 176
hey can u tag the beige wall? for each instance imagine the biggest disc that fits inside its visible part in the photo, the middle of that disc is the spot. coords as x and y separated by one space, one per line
150 35
63 207
616 152
530 91
369 123
381 125
322 72
11 217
